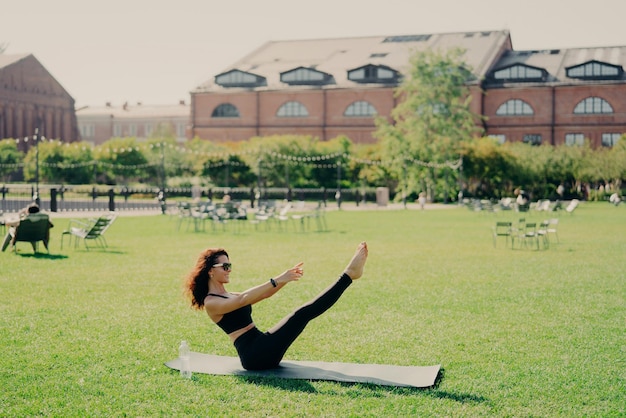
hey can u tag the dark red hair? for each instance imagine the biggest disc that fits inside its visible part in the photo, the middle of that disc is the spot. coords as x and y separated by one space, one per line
197 282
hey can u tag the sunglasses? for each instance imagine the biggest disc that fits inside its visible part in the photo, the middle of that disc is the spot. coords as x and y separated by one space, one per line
225 266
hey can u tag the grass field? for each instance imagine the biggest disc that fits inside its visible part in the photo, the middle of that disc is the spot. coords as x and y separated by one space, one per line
517 332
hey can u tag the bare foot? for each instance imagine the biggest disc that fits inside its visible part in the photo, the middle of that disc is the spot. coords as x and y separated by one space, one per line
355 266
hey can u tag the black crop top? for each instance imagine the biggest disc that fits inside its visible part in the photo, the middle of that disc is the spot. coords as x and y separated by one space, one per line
237 319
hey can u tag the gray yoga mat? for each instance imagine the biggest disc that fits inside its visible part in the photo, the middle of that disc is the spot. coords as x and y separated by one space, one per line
379 374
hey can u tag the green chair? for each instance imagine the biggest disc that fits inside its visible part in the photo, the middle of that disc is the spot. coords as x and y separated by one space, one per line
503 229
542 233
530 235
89 230
33 228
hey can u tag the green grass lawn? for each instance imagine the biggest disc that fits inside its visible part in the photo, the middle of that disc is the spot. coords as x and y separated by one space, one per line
517 332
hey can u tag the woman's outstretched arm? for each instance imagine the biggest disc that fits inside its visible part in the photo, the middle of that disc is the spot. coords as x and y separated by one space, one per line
220 306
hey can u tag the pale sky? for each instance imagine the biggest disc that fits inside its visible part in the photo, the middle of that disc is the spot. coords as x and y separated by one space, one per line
157 51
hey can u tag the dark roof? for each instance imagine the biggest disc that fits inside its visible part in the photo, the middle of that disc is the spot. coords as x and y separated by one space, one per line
557 61
45 83
339 55
10 59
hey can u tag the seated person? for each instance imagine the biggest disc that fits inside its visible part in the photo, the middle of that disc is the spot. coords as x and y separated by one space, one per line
31 211
522 200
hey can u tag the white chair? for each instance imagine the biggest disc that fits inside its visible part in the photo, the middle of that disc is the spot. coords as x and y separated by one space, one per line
89 230
572 206
542 234
552 227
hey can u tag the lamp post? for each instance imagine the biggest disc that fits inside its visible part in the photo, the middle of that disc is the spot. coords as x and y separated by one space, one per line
338 192
258 193
36 195
161 196
226 172
406 185
163 180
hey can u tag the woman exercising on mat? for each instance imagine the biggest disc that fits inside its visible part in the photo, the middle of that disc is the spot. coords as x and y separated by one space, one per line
233 311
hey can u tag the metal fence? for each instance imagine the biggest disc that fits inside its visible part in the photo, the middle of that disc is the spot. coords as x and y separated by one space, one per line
69 198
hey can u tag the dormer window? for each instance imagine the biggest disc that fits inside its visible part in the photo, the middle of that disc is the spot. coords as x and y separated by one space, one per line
303 76
595 70
519 73
238 78
374 74
407 38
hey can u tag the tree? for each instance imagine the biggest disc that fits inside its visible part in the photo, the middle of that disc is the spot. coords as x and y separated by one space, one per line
121 160
334 172
488 168
10 159
429 122
59 162
616 164
229 172
371 170
165 156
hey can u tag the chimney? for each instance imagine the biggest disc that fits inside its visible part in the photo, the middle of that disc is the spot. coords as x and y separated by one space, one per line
125 106
181 102
108 104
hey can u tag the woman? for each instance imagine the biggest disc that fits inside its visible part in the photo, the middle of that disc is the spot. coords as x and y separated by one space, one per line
232 311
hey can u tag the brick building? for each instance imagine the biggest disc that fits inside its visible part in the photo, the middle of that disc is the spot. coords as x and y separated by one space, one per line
332 87
31 98
557 96
98 124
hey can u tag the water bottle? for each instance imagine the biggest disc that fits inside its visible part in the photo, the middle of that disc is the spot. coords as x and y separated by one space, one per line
184 355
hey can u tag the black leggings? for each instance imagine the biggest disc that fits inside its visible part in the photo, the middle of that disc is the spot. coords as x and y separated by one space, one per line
258 350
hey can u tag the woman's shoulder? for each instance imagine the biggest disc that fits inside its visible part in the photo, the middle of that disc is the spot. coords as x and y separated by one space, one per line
219 295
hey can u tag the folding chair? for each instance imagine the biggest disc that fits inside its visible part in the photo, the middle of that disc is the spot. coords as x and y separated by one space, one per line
552 226
89 230
529 234
503 229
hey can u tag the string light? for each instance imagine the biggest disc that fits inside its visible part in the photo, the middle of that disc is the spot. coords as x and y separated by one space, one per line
310 160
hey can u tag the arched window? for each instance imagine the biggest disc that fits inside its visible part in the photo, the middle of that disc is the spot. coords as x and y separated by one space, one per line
515 107
225 110
592 105
360 108
292 110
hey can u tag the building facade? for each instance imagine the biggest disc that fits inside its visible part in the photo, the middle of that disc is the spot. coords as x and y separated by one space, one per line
557 96
101 123
331 87
32 101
